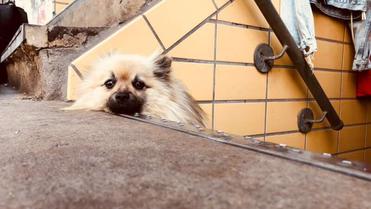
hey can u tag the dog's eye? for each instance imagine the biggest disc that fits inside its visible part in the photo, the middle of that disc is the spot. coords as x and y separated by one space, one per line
139 84
110 83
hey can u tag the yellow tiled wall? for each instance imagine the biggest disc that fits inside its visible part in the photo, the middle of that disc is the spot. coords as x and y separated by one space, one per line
212 42
60 5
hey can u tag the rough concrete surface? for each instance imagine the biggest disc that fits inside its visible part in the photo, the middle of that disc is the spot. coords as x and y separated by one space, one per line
23 72
97 13
53 71
42 71
39 66
55 159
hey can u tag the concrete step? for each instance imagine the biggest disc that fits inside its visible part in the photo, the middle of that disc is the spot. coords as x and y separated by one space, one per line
97 13
37 58
55 159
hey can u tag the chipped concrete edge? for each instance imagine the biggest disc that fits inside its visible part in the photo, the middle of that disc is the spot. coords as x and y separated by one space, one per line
324 161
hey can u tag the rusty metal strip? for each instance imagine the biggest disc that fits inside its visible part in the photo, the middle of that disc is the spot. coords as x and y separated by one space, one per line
77 71
324 161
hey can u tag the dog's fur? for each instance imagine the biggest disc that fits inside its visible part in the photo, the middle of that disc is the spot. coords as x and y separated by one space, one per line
129 84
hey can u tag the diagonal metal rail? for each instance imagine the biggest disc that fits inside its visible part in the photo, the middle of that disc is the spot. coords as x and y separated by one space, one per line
284 36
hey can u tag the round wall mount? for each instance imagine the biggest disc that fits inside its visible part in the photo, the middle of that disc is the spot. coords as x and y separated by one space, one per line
262 64
304 116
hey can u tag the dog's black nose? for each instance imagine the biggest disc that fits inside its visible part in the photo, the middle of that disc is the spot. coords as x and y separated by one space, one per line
122 96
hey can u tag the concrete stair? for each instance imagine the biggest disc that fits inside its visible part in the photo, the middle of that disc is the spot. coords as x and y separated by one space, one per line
36 64
37 58
55 159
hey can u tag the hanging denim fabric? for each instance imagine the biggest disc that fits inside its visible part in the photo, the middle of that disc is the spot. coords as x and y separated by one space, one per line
362 58
355 12
298 18
360 30
342 9
362 42
354 5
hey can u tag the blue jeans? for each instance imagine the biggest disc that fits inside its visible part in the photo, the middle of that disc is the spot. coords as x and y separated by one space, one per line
353 10
342 9
362 43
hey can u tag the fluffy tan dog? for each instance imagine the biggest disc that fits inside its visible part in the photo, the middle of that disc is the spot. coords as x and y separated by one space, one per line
129 84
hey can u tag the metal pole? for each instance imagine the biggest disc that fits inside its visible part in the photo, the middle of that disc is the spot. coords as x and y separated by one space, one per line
296 56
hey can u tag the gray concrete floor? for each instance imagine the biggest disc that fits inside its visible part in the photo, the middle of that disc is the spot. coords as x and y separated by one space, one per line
55 159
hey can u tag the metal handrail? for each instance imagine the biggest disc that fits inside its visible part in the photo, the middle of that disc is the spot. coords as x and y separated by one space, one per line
297 57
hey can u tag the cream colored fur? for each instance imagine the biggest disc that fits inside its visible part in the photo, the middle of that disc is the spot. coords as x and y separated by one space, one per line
165 98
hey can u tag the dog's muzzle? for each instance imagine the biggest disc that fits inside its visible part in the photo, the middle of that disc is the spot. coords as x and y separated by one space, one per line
124 103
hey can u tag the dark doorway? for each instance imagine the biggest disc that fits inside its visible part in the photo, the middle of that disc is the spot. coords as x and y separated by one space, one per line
11 17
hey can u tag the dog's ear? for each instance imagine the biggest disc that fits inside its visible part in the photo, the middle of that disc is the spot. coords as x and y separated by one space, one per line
162 67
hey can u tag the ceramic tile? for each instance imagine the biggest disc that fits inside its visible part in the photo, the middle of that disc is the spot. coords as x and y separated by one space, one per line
197 77
329 55
285 83
349 85
368 156
353 111
282 116
171 18
322 141
328 27
199 45
368 136
207 108
126 40
348 56
220 3
239 82
353 156
330 83
296 140
352 138
243 12
347 35
236 44
240 118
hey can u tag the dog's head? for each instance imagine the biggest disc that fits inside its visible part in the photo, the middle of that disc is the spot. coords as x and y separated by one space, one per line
120 83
